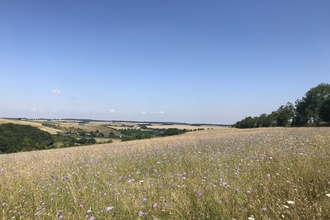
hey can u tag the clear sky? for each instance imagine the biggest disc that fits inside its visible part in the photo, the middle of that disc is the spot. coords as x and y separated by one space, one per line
175 61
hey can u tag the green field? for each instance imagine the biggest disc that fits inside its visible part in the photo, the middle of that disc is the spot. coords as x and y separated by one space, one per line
278 173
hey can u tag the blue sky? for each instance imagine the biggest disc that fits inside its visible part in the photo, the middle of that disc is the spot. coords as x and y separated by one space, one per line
182 61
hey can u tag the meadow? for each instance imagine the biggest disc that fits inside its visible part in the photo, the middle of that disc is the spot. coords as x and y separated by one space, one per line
268 173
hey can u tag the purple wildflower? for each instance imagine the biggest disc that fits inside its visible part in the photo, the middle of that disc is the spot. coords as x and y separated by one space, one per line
264 209
141 213
60 217
154 205
89 211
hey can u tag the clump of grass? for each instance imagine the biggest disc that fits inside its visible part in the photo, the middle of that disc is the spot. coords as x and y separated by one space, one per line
256 174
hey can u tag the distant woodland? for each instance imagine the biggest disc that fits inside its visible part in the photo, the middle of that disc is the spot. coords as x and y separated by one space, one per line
15 138
311 110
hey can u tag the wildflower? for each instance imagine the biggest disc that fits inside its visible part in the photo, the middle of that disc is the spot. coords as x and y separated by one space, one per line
89 211
268 175
264 209
108 209
141 213
144 199
92 218
248 192
154 205
290 202
60 217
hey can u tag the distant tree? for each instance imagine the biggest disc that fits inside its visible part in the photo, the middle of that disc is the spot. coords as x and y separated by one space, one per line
92 134
101 134
112 135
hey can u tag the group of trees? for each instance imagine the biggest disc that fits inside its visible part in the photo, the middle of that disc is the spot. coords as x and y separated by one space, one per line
15 138
138 134
311 110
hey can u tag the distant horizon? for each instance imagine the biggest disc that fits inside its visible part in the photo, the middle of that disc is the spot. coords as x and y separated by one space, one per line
100 120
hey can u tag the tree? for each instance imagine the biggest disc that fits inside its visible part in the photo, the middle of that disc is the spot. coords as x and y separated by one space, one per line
325 110
261 120
284 115
308 109
101 134
112 135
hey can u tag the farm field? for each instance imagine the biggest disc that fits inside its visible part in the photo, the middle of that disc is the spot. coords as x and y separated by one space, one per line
227 173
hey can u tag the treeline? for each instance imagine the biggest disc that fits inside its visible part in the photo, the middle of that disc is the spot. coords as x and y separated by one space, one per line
137 134
312 110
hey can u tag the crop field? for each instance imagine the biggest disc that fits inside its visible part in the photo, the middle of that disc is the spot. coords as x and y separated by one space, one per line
270 173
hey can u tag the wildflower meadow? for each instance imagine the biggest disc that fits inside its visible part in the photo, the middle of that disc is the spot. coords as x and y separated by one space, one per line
268 173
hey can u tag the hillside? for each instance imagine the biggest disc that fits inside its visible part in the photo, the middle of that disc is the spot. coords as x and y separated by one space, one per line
265 173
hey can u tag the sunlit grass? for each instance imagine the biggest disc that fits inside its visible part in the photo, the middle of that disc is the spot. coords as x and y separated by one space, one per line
216 174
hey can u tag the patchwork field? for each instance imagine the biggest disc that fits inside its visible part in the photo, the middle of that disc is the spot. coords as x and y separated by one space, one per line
278 173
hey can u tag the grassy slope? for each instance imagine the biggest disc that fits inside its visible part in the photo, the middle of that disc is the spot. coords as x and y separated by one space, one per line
215 174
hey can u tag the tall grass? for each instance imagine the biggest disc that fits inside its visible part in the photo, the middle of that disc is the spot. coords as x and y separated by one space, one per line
215 174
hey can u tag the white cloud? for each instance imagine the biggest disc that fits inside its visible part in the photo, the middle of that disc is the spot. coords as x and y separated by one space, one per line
154 112
143 112
161 112
55 91
112 110
36 110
